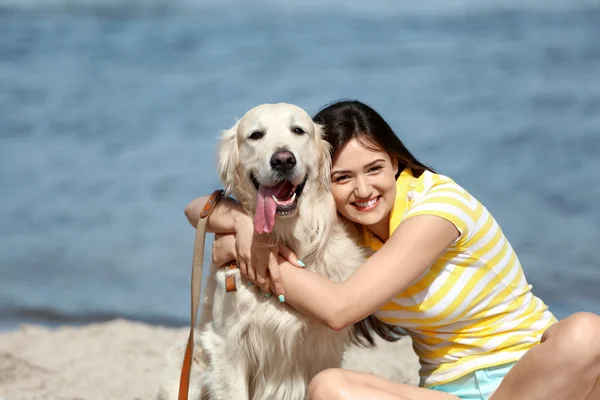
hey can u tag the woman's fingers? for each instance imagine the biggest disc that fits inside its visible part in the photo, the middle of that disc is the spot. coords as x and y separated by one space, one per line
244 254
257 260
251 267
243 268
275 275
262 265
289 255
243 258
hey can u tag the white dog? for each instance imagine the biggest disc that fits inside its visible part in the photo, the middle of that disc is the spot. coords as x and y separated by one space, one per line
275 162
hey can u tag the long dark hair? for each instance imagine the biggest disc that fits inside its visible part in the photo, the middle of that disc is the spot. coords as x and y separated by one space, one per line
350 119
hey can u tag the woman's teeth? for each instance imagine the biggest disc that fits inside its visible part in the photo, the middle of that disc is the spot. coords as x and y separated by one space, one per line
284 202
367 203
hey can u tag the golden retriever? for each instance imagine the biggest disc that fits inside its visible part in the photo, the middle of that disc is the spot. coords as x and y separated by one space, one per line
277 165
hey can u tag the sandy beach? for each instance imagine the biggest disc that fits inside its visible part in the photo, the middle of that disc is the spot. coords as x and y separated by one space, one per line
122 359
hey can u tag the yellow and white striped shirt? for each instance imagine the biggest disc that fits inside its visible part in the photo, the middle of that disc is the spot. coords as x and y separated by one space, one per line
473 308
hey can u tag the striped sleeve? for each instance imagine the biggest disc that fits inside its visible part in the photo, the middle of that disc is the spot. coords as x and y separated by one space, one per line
449 201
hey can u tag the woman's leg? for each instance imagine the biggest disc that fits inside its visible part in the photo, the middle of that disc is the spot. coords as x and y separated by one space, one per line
565 365
337 384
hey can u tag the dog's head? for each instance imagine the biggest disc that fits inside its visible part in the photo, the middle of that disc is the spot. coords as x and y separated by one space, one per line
270 158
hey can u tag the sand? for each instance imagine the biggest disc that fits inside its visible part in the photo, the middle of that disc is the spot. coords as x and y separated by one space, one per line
122 359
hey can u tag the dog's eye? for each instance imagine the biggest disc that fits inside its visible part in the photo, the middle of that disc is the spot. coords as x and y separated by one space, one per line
298 131
256 135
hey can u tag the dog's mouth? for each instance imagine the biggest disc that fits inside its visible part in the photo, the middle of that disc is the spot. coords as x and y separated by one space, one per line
279 200
284 194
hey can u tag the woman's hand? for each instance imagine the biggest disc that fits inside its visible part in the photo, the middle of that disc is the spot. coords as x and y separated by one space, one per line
256 256
223 249
279 261
226 248
266 260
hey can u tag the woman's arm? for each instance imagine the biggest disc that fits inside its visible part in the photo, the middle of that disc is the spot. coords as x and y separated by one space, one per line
415 245
225 217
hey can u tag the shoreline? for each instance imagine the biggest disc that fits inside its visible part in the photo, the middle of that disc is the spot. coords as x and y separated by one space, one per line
124 359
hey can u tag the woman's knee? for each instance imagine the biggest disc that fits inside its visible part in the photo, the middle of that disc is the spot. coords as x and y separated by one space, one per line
328 384
577 336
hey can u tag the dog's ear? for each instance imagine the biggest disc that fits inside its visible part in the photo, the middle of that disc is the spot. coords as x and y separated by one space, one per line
227 157
324 152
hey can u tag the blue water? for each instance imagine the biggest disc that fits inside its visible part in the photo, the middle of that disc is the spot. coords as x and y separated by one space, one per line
109 112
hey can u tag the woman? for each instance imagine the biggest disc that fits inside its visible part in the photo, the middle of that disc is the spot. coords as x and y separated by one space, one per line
441 269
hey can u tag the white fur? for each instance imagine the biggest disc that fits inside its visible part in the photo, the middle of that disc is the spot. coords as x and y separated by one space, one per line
255 347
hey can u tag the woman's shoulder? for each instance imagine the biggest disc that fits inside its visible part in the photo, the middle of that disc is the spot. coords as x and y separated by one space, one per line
431 182
439 195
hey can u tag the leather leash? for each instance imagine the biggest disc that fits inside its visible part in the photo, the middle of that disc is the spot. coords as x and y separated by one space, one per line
197 263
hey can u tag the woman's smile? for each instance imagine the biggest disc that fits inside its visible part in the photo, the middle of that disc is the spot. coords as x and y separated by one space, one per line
367 205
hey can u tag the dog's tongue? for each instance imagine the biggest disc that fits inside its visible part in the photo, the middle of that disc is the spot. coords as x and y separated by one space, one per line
264 218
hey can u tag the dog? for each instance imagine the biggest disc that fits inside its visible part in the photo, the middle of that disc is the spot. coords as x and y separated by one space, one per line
276 163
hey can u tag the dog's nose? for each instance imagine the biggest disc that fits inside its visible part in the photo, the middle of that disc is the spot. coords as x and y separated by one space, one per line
283 160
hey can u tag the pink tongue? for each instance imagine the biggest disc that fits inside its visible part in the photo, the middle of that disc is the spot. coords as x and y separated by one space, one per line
264 219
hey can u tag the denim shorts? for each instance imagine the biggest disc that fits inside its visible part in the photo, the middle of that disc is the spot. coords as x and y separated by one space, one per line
477 385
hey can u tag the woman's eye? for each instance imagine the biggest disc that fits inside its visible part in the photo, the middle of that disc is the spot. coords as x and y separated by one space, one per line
256 135
376 168
298 131
341 178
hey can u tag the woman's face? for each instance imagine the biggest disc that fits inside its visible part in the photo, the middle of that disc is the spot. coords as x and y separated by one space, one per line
363 183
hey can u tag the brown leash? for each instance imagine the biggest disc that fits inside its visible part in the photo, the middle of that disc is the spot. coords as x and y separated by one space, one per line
198 259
